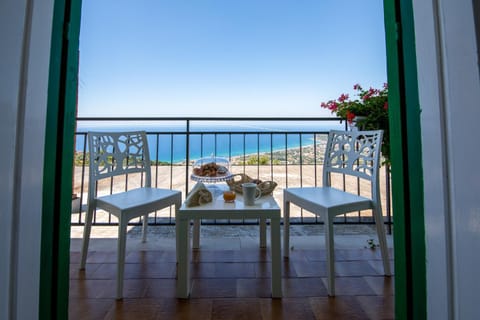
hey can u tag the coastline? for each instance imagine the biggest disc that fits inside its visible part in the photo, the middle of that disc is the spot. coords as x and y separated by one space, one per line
306 154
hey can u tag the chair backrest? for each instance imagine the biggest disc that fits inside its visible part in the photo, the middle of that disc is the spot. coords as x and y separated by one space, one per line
354 153
117 153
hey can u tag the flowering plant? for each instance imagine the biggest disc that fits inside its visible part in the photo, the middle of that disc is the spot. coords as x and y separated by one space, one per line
369 111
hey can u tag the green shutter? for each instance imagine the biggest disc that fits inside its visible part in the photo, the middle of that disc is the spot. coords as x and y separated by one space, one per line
57 185
407 173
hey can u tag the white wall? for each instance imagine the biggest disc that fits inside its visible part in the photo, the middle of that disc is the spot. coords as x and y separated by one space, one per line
449 96
11 33
25 31
433 167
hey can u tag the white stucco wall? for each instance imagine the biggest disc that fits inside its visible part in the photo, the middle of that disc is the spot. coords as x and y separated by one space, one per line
11 35
449 96
25 31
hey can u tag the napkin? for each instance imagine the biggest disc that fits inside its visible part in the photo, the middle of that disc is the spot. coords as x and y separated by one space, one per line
198 196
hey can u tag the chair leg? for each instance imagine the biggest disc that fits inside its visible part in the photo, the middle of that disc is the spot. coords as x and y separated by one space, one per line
122 239
144 228
286 228
382 239
330 247
86 236
178 203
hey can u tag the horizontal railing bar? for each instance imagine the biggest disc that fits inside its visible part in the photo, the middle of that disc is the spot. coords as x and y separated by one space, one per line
289 119
227 132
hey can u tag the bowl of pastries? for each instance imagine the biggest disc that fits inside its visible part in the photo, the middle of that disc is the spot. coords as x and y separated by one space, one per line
211 169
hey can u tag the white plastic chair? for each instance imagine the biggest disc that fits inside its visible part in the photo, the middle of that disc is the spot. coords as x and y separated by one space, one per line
115 154
354 153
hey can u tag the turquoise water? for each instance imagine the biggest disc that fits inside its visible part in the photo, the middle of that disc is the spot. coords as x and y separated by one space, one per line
168 143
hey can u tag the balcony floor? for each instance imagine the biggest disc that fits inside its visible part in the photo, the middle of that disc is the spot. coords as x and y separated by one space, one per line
231 277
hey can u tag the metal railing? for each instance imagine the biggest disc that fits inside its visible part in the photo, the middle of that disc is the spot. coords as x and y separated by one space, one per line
291 154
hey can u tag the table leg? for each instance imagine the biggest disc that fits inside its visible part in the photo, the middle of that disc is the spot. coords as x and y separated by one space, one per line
196 234
263 233
276 258
183 256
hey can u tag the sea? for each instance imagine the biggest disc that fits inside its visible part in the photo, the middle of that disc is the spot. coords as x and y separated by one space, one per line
168 140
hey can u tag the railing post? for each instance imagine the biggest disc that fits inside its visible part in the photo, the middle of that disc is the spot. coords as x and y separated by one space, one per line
187 155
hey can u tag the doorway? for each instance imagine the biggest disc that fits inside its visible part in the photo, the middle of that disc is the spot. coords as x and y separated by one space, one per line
410 270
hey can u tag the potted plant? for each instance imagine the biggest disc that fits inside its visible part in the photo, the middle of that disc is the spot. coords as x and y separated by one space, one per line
368 111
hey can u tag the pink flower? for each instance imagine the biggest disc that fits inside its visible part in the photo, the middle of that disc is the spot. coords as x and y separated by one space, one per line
357 87
343 97
333 106
385 105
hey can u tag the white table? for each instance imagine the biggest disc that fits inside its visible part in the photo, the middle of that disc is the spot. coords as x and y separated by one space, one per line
265 208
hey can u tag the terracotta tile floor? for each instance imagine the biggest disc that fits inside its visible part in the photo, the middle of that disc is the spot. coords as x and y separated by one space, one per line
231 280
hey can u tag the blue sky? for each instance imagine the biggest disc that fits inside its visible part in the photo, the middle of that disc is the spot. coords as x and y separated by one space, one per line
226 57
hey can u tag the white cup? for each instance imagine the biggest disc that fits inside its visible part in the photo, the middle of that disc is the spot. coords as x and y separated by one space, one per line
251 192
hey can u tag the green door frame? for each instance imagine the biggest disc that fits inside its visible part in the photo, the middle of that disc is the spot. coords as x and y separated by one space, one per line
407 171
57 175
409 239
